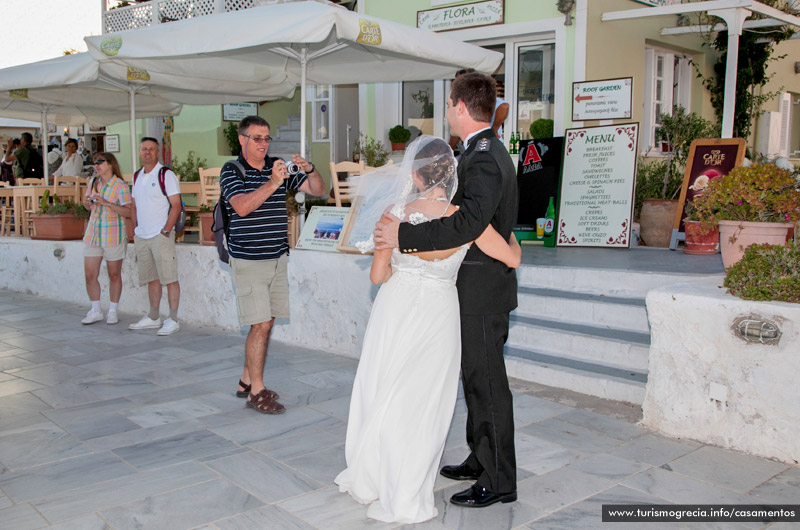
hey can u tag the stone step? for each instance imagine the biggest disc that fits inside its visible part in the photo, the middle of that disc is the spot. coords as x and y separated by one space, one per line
610 347
577 375
287 135
623 313
607 282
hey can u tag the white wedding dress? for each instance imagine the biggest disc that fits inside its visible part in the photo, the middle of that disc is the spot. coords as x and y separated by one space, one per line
405 390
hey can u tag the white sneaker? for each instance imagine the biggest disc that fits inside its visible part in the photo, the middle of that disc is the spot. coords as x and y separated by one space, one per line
146 323
92 316
112 318
169 327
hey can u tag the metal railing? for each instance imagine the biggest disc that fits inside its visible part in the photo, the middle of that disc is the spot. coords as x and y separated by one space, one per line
161 11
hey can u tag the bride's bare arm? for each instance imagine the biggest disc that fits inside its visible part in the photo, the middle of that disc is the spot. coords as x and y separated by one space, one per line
381 270
494 246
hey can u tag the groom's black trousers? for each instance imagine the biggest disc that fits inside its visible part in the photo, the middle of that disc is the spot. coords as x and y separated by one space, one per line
490 413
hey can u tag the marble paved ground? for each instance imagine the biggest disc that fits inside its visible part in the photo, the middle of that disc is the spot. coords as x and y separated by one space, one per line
101 427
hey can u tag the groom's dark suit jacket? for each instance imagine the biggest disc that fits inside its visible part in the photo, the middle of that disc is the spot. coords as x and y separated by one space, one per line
487 193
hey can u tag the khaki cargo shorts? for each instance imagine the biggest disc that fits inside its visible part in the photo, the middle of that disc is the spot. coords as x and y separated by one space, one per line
262 289
156 259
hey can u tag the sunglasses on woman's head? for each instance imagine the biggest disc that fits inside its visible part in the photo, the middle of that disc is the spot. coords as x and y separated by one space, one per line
99 161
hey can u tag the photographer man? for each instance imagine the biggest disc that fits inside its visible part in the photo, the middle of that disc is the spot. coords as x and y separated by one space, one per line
258 246
29 161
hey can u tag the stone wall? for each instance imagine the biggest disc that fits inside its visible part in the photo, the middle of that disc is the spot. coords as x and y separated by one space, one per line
707 384
331 295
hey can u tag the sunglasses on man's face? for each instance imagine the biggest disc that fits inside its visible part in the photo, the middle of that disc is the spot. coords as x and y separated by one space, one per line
99 161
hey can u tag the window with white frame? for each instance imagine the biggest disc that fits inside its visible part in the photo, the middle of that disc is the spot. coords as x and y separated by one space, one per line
667 83
321 116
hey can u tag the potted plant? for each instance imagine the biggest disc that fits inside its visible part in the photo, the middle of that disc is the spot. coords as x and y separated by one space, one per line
371 151
755 204
206 216
399 135
59 221
659 182
231 134
702 236
655 204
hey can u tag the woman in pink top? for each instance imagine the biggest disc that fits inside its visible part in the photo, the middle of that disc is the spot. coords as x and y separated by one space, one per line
109 200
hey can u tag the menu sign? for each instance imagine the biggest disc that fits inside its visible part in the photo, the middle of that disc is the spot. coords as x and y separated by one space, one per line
597 186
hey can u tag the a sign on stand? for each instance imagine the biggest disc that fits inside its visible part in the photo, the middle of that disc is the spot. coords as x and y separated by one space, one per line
596 200
602 100
323 228
538 176
709 158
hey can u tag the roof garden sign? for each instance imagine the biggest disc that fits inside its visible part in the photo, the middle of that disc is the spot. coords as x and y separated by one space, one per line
602 100
461 16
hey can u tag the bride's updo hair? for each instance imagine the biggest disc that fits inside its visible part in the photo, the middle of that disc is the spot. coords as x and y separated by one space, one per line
439 167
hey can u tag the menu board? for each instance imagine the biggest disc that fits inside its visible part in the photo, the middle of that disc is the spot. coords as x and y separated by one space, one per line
597 184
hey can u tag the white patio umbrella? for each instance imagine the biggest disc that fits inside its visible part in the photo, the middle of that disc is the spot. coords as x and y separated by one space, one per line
305 42
77 88
70 91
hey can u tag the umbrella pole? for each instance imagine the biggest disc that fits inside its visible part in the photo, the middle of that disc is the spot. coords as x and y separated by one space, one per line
132 101
303 67
45 141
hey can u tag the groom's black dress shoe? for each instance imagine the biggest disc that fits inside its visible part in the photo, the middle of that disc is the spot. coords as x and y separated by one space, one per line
479 497
460 472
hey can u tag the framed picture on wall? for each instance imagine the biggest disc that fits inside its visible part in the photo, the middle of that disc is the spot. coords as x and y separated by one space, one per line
79 131
96 130
112 143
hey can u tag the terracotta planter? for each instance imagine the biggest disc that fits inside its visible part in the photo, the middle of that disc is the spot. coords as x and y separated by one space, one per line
57 227
736 236
398 146
206 222
700 243
656 221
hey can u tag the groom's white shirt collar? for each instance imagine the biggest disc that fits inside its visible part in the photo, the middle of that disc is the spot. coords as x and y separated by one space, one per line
467 140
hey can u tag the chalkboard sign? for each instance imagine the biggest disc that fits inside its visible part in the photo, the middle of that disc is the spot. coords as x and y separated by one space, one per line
709 158
596 201
538 174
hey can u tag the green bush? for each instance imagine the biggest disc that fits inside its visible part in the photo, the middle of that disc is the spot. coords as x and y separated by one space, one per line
188 171
541 128
60 208
231 133
766 272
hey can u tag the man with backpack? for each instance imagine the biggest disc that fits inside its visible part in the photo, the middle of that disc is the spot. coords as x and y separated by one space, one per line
253 189
29 161
156 208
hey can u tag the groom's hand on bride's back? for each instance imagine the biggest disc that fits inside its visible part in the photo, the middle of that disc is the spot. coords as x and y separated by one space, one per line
385 233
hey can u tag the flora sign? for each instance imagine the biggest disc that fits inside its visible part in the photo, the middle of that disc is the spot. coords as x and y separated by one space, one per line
461 16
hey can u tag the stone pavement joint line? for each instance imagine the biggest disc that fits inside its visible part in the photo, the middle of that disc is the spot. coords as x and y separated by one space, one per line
105 428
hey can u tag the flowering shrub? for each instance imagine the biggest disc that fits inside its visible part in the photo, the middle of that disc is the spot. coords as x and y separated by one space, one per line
766 272
760 193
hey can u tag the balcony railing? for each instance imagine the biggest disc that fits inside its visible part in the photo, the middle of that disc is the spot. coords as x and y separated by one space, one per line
143 14
160 11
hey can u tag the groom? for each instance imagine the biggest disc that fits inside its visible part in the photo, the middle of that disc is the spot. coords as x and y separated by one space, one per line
487 289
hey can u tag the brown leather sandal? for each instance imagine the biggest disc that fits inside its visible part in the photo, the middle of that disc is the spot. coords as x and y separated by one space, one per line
246 392
265 404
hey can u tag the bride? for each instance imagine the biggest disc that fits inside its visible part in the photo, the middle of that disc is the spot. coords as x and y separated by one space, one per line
407 379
